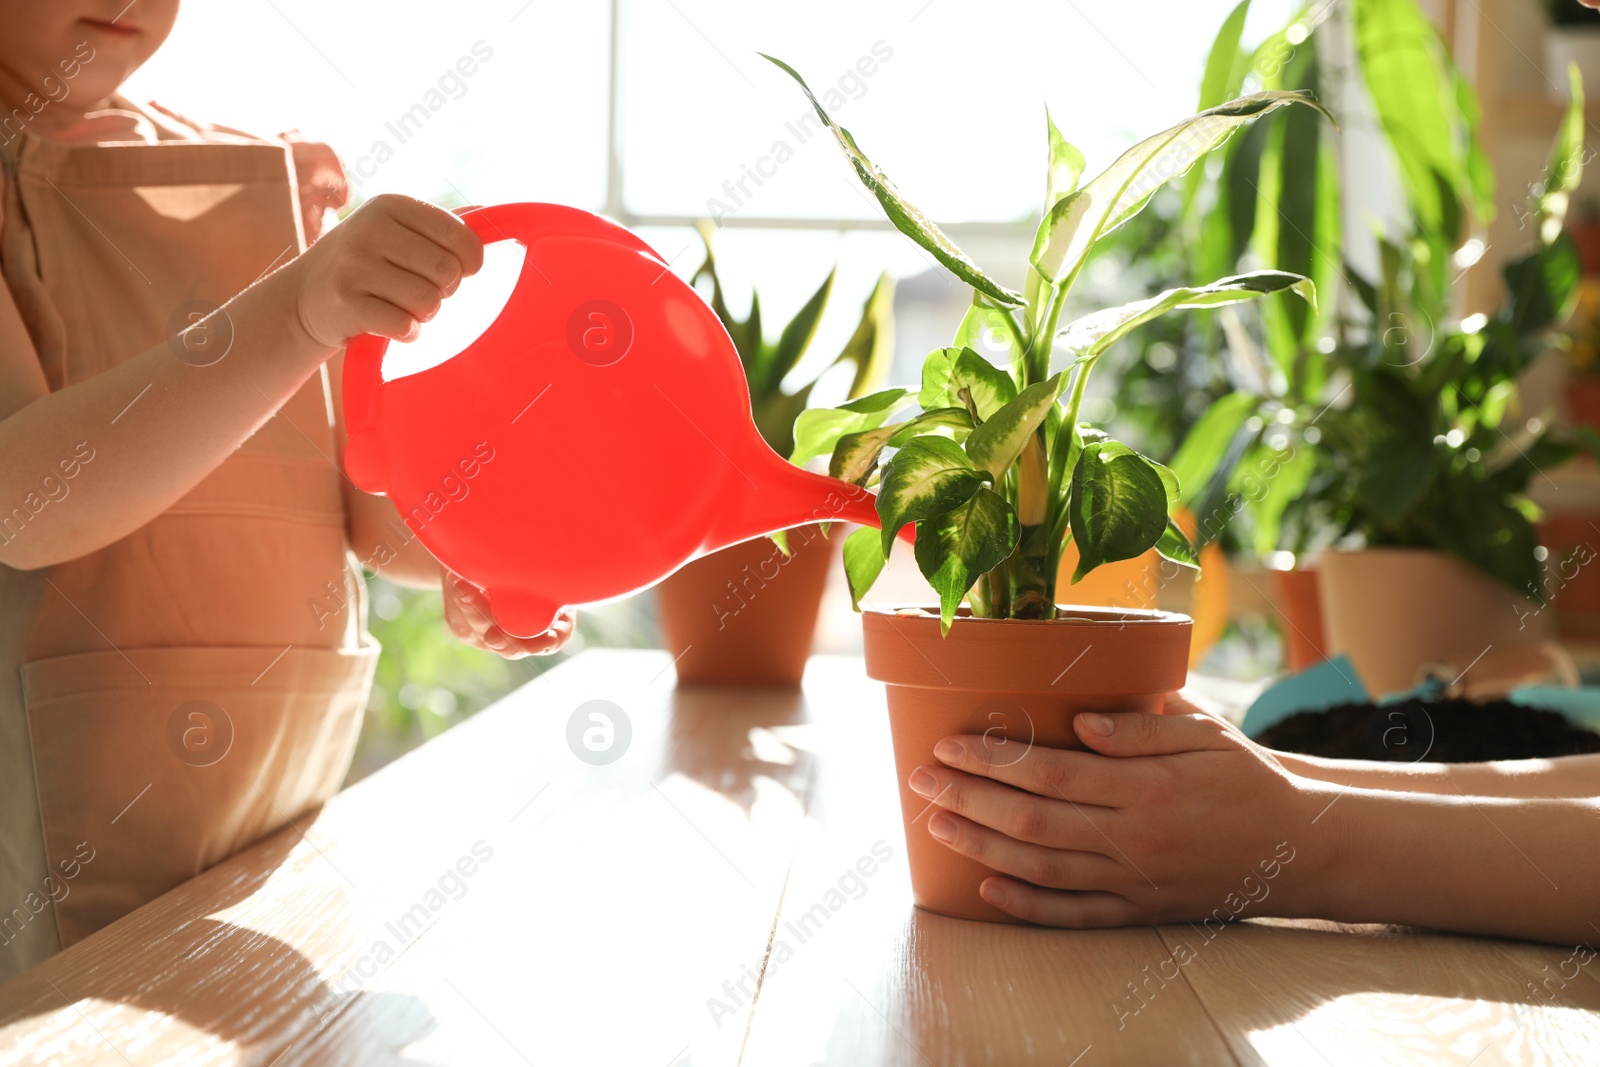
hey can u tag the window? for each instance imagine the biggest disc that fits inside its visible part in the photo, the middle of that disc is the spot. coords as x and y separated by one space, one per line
946 95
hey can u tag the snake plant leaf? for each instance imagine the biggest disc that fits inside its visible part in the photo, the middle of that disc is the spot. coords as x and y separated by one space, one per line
1118 508
1176 546
929 476
739 332
905 216
871 346
1070 228
996 444
863 562
775 413
1094 333
954 548
817 430
794 340
1066 164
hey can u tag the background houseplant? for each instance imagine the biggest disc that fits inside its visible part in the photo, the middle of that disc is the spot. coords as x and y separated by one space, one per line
747 614
1394 421
997 473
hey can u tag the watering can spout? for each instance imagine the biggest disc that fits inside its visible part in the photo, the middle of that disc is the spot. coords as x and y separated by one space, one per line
781 496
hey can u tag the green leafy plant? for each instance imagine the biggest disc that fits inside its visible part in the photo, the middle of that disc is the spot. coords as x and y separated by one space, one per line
768 363
1395 420
994 467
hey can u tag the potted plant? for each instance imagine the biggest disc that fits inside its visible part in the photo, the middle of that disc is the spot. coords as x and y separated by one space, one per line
746 615
1573 39
1394 425
992 466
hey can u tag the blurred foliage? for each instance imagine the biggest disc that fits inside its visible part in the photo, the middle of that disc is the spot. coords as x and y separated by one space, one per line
427 681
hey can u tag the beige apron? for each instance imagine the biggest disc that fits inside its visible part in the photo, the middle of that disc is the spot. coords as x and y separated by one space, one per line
172 697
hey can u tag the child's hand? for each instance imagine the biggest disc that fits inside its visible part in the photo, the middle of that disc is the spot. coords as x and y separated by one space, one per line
323 187
1169 818
471 619
384 270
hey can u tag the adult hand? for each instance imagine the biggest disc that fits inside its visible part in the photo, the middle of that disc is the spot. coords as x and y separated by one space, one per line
1167 818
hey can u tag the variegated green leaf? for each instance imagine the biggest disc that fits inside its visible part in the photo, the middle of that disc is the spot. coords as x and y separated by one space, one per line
936 371
1118 508
863 562
856 455
928 476
983 329
818 430
1169 481
955 547
995 445
1096 332
1175 546
1073 225
952 376
954 419
905 216
1066 165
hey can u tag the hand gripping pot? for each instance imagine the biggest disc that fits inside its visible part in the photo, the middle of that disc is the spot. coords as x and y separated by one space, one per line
596 437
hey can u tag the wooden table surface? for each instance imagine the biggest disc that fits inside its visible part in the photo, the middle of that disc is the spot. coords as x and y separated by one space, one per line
491 898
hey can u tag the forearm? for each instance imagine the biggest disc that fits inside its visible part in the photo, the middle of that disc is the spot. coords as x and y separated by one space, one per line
1567 776
156 426
384 543
1506 868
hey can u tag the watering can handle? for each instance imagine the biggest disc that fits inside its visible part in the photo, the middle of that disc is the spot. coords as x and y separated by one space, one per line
363 359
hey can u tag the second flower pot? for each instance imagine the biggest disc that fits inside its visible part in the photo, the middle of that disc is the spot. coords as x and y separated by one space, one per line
1299 601
1398 611
1018 683
746 615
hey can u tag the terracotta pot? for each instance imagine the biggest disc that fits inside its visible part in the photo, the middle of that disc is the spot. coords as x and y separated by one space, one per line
1396 611
1299 604
1018 683
746 615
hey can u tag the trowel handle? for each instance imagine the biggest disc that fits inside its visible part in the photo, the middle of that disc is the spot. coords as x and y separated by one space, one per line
363 359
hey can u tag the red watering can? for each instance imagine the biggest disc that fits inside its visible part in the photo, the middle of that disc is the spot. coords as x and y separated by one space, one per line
591 441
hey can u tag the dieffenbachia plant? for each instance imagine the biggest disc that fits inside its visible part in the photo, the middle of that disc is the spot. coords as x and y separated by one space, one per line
991 463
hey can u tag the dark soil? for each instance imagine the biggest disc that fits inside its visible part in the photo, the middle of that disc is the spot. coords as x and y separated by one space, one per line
1443 731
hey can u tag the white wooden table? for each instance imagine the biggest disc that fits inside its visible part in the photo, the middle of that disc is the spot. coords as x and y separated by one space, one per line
491 898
